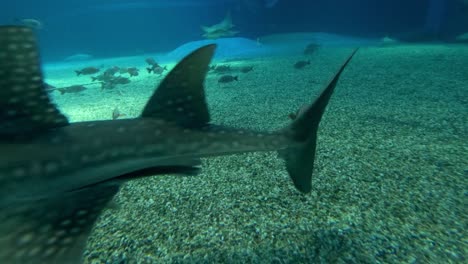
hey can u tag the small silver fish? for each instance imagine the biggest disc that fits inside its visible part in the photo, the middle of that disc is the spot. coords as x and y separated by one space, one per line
116 114
301 64
71 89
227 79
32 23
87 70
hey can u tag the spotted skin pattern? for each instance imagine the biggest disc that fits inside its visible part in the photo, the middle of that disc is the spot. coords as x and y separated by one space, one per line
56 177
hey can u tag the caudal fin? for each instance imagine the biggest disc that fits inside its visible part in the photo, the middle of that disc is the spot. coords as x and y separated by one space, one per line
300 158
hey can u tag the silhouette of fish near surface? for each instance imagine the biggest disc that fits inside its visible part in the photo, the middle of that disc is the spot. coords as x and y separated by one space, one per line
221 29
56 176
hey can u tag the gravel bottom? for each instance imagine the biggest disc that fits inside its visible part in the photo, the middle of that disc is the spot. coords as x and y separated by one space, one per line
390 183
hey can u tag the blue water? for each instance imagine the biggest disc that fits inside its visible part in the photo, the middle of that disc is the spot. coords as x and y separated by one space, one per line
109 28
390 175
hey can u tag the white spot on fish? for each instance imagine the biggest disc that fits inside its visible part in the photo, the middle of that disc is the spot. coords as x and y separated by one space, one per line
33 86
51 240
19 253
49 251
26 238
45 228
34 251
31 103
51 167
13 100
31 93
56 140
82 212
60 233
67 240
12 30
12 47
83 221
17 88
20 57
32 54
34 68
19 172
97 142
50 110
27 45
85 158
66 222
19 71
114 153
75 230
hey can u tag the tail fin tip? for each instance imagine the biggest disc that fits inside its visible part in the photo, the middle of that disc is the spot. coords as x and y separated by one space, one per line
300 159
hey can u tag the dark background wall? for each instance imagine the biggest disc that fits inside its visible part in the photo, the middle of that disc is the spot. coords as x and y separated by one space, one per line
125 27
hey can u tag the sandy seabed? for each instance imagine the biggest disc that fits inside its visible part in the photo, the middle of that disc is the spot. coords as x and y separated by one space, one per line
389 186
